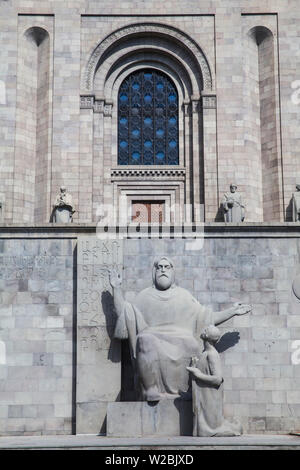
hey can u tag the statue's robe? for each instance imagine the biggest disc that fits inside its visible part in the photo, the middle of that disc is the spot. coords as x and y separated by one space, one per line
236 213
296 206
63 213
171 322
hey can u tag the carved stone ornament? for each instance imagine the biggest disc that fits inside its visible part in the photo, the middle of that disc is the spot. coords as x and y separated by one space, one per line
98 105
86 102
209 102
89 72
141 173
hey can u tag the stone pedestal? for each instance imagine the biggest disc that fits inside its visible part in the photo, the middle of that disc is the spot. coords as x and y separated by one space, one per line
63 215
137 419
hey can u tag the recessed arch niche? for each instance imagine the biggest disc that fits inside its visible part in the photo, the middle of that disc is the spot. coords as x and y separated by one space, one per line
33 126
169 51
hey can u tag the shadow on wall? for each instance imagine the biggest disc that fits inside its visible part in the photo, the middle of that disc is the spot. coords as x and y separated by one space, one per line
220 215
228 340
289 211
110 322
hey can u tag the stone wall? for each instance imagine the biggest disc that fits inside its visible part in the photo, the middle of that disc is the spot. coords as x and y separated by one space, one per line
47 343
37 336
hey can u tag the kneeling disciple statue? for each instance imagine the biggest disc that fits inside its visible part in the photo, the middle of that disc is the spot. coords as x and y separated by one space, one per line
207 391
163 327
63 209
232 205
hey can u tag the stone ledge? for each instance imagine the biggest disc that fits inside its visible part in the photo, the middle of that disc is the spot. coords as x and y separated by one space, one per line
245 442
211 230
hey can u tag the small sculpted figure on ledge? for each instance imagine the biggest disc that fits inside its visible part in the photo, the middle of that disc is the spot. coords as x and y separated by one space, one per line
296 204
207 390
63 209
232 206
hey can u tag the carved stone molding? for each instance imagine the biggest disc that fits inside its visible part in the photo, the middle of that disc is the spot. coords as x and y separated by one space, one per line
89 72
107 109
98 105
209 102
195 106
148 173
187 108
86 102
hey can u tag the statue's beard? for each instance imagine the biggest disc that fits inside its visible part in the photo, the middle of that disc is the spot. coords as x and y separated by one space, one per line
163 282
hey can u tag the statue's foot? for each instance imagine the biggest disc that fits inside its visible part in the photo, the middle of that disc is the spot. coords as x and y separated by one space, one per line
151 398
152 394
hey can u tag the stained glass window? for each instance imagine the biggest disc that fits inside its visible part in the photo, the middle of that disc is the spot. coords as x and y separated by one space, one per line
148 120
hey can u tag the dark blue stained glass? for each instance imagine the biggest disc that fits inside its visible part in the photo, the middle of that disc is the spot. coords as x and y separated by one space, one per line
148 120
136 156
148 98
172 98
123 98
135 133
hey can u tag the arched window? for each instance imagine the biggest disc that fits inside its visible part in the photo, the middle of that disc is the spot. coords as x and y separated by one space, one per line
148 119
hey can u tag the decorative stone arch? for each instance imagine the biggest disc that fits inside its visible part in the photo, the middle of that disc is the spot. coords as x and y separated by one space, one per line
147 61
161 47
158 29
178 71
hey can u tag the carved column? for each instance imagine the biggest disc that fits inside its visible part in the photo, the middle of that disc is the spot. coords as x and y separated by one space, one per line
95 150
98 354
210 155
98 149
197 164
86 159
187 162
107 155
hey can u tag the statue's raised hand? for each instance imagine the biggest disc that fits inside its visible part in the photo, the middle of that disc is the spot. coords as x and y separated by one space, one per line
241 309
115 278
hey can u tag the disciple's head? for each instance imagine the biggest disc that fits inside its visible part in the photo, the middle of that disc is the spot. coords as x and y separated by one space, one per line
233 187
163 273
211 333
63 189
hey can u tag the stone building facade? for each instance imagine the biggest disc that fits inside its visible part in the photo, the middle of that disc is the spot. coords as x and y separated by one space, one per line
235 71
234 67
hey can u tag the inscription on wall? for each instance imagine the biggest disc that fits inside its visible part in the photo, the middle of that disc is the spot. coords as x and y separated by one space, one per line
33 267
98 354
